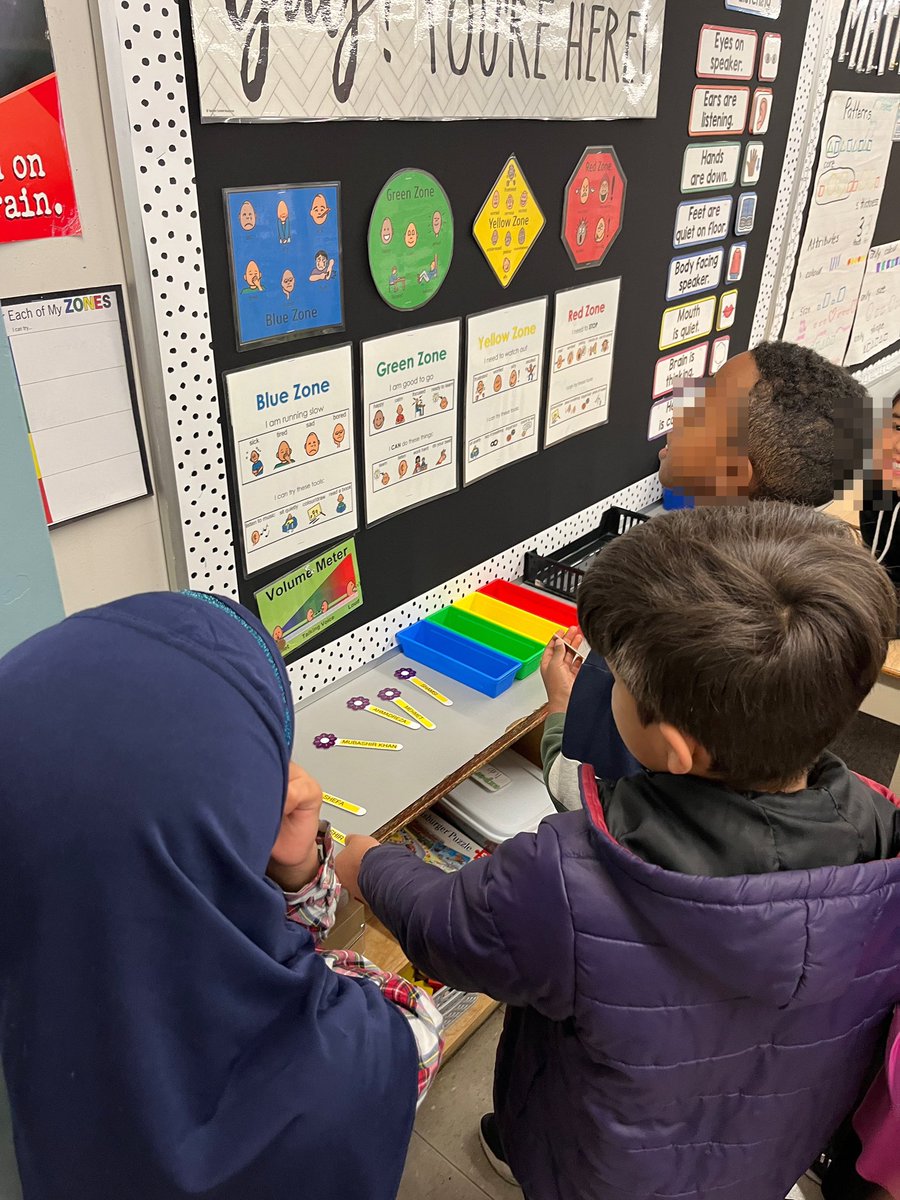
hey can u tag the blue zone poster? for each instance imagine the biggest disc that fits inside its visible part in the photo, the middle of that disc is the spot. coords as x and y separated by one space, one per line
286 276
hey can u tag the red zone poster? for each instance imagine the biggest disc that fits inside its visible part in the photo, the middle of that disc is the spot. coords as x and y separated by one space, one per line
37 196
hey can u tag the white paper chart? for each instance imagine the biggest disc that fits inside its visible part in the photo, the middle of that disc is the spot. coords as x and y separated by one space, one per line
75 375
846 197
504 368
292 425
877 324
410 410
584 334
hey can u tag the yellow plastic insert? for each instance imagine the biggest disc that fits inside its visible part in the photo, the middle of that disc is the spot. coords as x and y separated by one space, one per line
508 617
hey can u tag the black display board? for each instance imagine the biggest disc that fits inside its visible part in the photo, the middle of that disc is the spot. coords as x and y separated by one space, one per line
421 548
842 79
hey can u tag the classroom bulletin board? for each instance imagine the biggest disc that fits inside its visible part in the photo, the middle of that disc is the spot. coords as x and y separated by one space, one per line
655 166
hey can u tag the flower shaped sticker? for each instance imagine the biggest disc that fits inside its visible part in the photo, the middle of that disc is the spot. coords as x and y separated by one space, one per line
389 693
325 741
404 673
358 703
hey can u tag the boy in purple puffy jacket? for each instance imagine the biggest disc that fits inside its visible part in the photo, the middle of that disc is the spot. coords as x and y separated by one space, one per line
698 962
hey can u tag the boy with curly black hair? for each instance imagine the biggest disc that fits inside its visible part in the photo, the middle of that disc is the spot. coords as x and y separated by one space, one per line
778 422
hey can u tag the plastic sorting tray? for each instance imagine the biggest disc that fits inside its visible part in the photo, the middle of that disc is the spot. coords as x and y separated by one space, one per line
562 614
458 657
563 571
505 615
527 651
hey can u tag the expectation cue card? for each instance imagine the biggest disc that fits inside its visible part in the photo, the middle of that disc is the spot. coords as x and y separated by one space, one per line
285 249
292 435
410 239
410 408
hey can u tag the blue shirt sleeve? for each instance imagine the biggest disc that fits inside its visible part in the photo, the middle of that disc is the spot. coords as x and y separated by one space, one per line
590 735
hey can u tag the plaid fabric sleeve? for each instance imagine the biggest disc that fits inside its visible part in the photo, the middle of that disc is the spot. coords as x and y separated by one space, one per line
315 905
426 1023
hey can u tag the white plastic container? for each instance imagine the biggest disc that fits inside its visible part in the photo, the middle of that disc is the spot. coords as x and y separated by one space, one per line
505 798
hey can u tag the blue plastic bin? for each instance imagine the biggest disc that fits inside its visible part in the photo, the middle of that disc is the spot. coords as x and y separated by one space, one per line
672 500
487 671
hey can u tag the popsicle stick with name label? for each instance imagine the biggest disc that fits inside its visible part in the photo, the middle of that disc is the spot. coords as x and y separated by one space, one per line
393 696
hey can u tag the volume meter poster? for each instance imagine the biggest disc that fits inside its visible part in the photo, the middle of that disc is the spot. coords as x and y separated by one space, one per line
37 195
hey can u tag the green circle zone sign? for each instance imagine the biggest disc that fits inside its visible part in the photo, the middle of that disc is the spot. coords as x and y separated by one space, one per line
410 239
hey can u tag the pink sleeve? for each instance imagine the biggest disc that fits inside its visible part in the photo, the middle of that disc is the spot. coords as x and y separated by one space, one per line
880 789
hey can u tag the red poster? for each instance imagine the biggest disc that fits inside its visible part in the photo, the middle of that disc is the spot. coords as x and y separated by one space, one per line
37 196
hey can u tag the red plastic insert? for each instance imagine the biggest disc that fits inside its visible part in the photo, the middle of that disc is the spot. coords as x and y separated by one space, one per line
561 614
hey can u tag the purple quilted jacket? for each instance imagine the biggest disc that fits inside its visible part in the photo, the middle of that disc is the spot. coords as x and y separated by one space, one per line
669 1035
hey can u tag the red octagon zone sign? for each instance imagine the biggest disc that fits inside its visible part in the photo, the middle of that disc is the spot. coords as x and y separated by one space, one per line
594 207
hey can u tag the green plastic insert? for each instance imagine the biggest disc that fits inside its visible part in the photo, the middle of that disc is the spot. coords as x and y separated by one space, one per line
495 637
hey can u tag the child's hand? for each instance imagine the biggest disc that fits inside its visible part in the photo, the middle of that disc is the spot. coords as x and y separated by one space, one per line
349 861
559 666
295 857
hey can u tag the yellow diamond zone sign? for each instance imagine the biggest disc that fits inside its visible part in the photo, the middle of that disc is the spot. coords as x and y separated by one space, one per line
509 223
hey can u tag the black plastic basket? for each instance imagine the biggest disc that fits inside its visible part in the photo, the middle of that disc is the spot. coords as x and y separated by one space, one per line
564 571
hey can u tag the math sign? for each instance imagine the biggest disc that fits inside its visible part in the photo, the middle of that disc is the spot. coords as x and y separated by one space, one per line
594 207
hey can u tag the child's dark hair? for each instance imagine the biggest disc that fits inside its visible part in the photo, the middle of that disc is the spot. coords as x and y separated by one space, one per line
755 629
808 424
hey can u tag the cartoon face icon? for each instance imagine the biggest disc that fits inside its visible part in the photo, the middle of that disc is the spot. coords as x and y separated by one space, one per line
600 231
584 191
510 202
278 633
495 200
498 382
521 237
351 588
507 241
513 377
479 390
282 211
253 276
495 237
254 456
247 216
604 190
254 537
310 614
311 445
581 232
436 222
411 236
338 433
387 231
401 416
507 266
444 402
321 261
523 200
385 479
319 210
403 467
378 420
324 606
511 172
284 454
288 283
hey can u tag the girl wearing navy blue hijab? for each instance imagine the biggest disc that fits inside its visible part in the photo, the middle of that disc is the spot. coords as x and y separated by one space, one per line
165 1030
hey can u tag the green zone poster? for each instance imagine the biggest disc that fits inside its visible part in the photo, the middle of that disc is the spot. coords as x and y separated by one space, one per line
311 598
